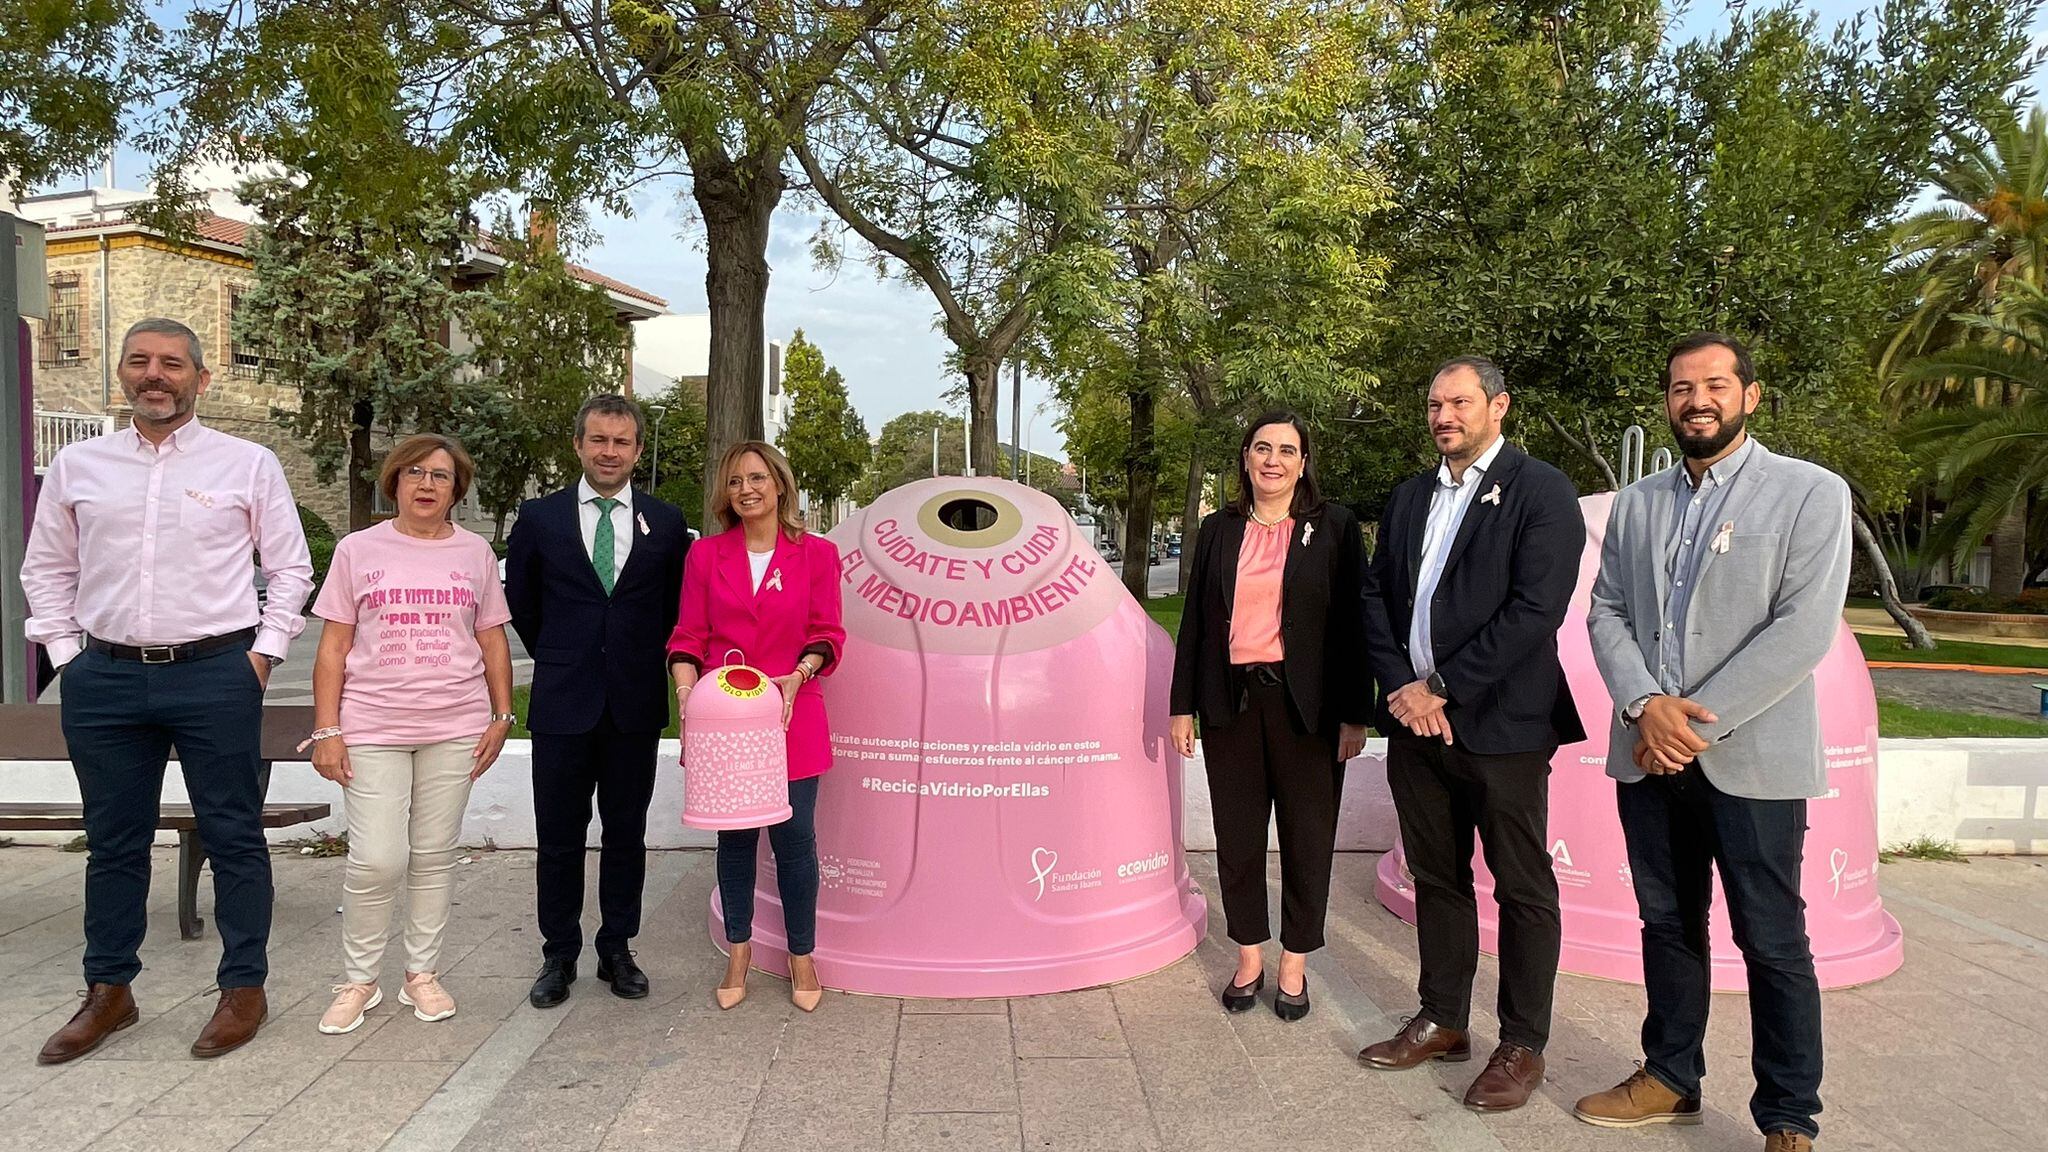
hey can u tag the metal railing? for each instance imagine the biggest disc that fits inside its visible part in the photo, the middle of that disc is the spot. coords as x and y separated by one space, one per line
54 430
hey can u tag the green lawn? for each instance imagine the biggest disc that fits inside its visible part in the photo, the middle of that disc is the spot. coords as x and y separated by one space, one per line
1893 648
1166 610
523 693
1904 720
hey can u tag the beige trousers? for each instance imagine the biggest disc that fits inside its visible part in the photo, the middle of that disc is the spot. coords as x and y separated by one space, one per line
404 814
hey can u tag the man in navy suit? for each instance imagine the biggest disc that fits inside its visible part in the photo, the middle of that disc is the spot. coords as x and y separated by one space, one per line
594 574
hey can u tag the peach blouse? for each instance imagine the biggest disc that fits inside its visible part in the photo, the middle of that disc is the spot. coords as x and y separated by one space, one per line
1255 609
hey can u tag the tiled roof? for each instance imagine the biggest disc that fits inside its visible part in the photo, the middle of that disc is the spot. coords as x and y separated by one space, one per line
235 233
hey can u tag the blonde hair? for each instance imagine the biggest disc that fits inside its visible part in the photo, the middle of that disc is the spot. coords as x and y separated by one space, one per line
786 512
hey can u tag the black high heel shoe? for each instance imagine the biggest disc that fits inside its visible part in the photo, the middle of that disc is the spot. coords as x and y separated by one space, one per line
1242 997
1291 1006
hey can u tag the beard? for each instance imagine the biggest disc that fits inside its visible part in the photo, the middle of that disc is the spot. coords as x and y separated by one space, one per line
1695 447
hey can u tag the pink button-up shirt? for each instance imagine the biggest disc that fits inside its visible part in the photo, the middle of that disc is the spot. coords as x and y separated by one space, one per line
140 544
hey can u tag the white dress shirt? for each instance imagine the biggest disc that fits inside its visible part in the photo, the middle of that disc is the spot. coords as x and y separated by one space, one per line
622 523
1447 504
141 544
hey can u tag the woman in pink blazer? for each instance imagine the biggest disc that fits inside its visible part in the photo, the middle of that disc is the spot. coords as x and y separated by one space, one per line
771 590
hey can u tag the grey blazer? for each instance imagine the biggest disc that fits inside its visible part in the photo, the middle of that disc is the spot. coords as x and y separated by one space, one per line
1763 615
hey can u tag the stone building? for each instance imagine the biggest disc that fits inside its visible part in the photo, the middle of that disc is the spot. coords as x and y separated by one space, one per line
107 271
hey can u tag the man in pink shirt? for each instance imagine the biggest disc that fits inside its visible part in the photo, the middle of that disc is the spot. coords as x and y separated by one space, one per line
139 582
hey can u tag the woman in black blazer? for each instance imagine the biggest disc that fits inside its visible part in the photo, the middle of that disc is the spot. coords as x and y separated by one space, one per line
1278 678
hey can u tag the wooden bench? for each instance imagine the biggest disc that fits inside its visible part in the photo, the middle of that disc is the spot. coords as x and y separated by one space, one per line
35 732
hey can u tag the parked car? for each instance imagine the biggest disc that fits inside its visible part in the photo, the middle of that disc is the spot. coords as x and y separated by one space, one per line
1110 554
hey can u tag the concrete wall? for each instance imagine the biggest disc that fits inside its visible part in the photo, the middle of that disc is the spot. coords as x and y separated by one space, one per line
1987 796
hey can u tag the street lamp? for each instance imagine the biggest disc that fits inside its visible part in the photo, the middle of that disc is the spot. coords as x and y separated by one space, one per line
654 467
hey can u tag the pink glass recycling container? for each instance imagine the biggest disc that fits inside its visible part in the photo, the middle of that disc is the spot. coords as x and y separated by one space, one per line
736 758
1003 812
1854 940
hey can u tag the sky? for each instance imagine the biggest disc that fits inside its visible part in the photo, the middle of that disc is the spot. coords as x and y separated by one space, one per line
880 334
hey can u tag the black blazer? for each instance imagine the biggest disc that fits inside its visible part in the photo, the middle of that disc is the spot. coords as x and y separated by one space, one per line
592 651
1319 626
1493 623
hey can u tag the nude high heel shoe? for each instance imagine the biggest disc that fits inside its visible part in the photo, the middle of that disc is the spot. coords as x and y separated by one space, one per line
733 988
804 971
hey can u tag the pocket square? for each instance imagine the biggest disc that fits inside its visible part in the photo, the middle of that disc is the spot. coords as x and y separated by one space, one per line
642 518
1492 497
1723 538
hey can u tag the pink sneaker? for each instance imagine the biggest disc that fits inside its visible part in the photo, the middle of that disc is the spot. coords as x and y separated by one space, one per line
424 994
351 1001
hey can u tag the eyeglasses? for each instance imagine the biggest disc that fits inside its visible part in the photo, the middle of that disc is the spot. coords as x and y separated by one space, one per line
439 476
750 480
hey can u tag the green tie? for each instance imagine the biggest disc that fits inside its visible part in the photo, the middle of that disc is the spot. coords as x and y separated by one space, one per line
601 548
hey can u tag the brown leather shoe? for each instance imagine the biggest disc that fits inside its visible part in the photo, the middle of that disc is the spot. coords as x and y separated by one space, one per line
236 1018
1788 1141
1418 1042
1512 1073
108 1008
1641 1099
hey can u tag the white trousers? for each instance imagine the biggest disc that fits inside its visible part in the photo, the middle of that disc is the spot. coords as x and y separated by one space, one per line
405 808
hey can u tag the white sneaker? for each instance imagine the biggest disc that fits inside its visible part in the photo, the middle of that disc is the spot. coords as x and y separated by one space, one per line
425 996
351 1001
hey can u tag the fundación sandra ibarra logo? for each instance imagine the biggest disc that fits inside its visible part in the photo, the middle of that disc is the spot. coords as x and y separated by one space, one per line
1044 878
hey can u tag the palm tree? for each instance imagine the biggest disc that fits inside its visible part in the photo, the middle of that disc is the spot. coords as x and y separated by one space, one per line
1990 459
1967 255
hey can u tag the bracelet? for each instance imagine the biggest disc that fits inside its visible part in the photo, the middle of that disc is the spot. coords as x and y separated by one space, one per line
318 735
505 717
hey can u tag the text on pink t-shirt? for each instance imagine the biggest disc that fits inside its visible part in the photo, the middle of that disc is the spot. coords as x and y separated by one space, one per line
415 674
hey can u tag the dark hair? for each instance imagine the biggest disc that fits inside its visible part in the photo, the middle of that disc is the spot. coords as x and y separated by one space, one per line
1745 367
1491 381
1308 497
412 450
611 404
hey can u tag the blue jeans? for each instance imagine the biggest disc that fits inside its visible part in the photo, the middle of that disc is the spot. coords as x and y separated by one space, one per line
795 845
121 719
1680 829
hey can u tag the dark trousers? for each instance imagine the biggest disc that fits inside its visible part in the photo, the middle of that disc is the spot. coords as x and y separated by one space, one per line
1443 794
1264 763
619 768
1680 829
795 844
121 720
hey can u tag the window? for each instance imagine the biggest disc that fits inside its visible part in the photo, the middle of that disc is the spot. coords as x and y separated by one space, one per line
63 338
245 358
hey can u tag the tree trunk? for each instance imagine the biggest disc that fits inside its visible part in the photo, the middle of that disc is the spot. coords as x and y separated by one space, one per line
1888 588
361 489
1141 480
1191 515
984 388
736 208
2009 552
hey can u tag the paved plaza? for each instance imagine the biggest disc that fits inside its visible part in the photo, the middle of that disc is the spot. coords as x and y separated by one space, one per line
1945 1054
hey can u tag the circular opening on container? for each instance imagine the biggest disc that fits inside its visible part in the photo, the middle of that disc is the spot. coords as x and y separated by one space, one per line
744 679
967 514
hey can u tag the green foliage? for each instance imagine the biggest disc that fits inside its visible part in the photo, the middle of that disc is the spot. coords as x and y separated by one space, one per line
2033 602
903 453
826 441
1924 848
545 343
320 541
1891 649
1904 721
675 444
68 69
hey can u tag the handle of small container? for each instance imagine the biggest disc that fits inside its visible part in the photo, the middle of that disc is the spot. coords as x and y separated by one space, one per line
729 652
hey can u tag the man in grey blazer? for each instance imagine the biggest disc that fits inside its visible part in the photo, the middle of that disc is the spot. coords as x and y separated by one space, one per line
1720 590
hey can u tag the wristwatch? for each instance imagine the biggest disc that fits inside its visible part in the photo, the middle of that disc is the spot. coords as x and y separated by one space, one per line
1634 711
274 660
1436 687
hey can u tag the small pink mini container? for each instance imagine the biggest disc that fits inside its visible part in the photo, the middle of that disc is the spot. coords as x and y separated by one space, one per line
735 754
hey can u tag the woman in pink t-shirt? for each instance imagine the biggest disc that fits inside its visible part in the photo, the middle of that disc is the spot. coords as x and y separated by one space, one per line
412 699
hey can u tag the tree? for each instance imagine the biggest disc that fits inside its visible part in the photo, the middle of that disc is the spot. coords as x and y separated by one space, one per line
68 70
544 343
903 453
350 305
675 442
826 442
1965 258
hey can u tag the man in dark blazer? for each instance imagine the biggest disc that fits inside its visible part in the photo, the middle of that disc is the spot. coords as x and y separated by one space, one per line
1476 563
593 575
